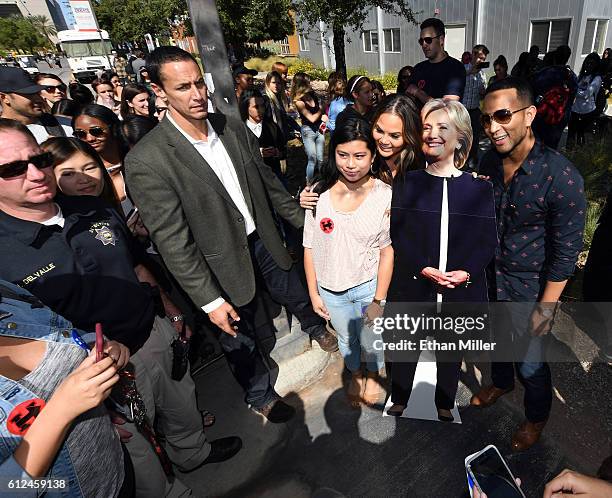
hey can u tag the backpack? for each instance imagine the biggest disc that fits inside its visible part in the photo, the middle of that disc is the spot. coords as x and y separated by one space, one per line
554 102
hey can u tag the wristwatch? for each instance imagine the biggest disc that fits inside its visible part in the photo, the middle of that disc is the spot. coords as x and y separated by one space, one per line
176 318
378 301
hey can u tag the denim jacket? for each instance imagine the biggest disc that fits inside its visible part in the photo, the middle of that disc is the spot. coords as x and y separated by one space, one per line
30 320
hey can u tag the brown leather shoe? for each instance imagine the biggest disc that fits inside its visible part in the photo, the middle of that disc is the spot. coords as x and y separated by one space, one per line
527 435
487 396
327 342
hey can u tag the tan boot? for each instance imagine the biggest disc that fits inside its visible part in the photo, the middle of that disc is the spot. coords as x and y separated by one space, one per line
373 389
355 388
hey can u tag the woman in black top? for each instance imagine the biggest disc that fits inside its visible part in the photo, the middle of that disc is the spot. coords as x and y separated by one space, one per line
312 116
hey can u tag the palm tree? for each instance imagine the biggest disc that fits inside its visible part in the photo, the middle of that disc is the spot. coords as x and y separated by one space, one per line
44 26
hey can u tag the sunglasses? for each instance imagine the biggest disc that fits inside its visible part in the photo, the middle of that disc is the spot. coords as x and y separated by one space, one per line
94 131
17 168
159 110
52 88
428 39
501 116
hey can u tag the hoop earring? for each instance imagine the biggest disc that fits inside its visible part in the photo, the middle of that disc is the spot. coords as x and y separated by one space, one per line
372 172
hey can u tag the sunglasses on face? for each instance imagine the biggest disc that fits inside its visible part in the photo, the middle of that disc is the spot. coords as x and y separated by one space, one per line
17 168
52 88
94 131
428 39
159 110
501 116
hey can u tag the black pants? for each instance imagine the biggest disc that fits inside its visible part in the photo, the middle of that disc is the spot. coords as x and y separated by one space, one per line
511 333
579 124
242 352
448 365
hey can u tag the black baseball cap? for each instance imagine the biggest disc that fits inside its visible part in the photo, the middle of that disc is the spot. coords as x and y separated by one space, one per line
17 80
243 70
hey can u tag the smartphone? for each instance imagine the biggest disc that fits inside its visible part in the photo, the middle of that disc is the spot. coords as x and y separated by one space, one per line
99 342
488 471
483 65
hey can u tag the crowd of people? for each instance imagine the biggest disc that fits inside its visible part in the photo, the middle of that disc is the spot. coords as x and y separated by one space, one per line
112 204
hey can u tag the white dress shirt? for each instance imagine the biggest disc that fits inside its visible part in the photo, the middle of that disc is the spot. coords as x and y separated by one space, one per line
214 153
254 127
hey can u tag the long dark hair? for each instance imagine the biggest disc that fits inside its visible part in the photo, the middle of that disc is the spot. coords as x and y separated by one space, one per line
591 58
63 148
110 119
245 98
352 129
129 92
411 158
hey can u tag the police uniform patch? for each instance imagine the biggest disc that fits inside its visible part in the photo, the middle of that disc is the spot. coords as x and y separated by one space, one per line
105 235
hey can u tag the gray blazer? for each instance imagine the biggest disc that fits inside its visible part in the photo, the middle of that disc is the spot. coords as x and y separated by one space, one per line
192 219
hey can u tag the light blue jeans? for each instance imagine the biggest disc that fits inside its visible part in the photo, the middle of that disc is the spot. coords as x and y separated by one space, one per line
314 143
346 309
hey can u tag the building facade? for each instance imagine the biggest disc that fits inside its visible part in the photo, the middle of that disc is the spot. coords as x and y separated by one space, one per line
506 27
58 11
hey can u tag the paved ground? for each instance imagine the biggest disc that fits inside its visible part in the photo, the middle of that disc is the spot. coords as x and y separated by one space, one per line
360 453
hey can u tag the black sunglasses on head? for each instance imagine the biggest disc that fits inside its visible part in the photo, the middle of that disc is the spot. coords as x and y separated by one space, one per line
428 39
94 131
16 168
501 116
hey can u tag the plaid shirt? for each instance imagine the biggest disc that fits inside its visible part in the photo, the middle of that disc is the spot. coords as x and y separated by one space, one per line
474 85
120 65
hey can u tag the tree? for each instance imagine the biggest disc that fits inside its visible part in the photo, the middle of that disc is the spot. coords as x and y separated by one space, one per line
347 14
44 26
17 33
254 21
128 20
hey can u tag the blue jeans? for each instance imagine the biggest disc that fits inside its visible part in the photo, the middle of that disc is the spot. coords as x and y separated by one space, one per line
314 143
346 310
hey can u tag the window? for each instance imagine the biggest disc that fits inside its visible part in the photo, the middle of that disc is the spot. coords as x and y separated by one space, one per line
304 43
548 35
594 36
392 40
370 41
284 46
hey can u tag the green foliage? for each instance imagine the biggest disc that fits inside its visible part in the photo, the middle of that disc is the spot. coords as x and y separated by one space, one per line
388 80
127 20
18 33
254 21
347 15
594 161
593 213
44 26
265 65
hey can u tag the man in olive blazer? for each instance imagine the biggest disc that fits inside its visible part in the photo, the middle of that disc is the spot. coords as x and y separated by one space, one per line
206 197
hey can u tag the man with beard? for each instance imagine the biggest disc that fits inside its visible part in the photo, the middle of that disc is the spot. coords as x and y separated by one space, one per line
540 208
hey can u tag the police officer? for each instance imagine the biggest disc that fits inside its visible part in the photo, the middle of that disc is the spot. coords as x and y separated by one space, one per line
78 257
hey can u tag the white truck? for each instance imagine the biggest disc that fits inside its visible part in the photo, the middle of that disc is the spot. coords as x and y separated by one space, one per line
87 52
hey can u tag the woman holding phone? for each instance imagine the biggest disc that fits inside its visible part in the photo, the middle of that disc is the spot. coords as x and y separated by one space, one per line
57 427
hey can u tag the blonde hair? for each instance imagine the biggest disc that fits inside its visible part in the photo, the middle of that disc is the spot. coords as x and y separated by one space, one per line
460 119
278 100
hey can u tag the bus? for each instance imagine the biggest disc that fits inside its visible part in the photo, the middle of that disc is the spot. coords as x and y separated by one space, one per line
87 52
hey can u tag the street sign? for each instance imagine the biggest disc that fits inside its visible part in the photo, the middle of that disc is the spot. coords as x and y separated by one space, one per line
84 15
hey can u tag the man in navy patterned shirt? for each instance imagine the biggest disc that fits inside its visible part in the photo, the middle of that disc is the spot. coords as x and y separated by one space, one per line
540 207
